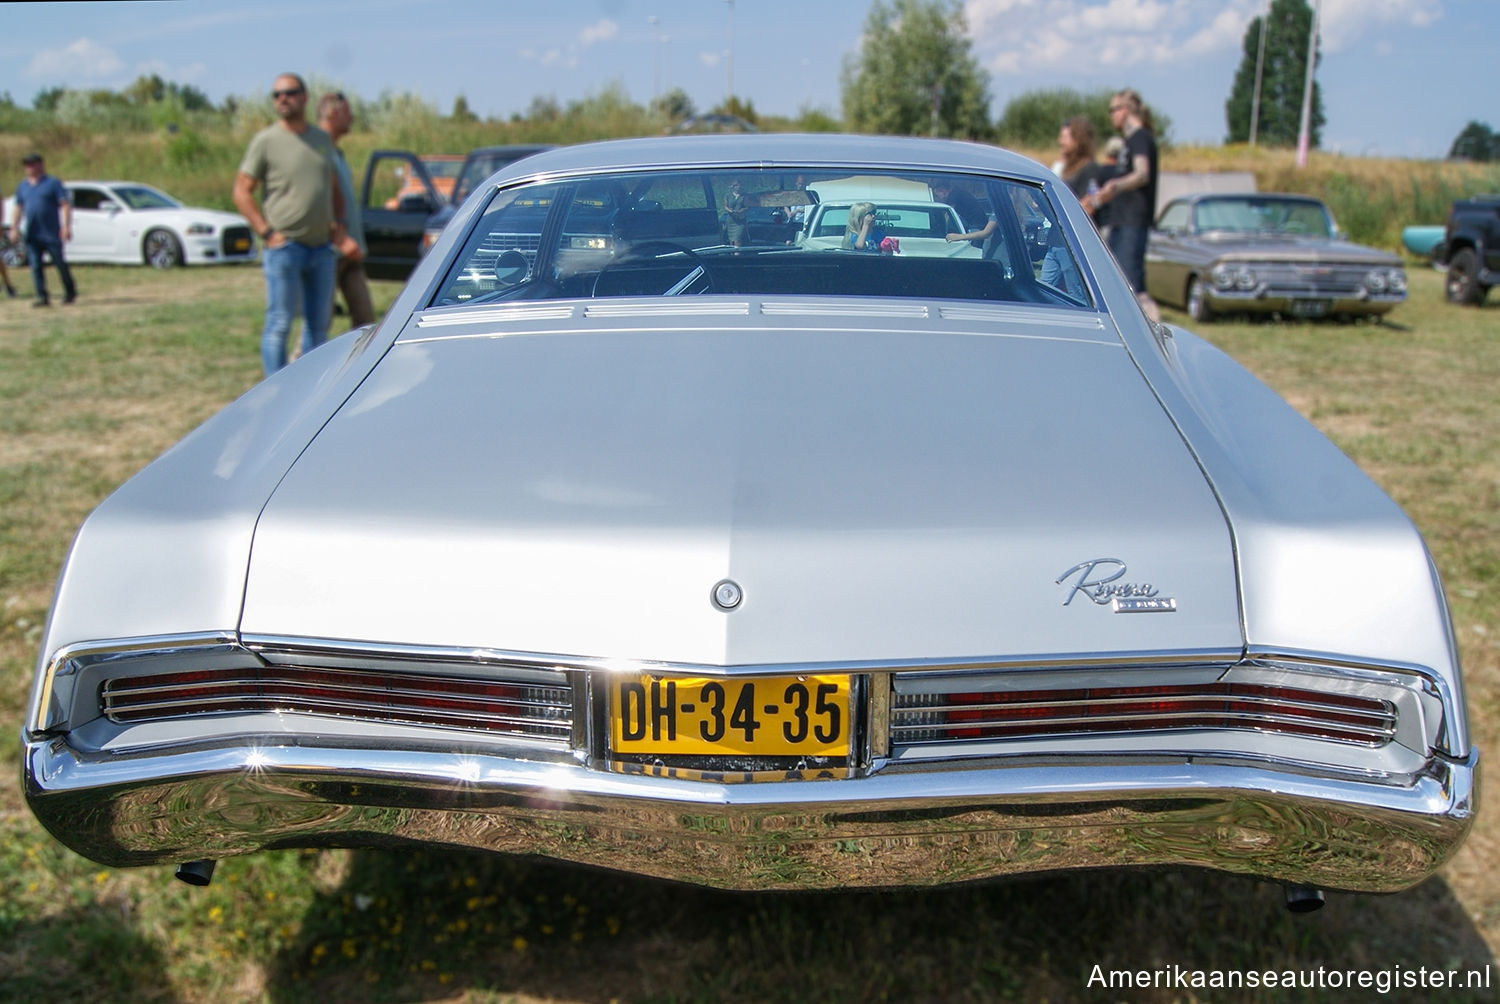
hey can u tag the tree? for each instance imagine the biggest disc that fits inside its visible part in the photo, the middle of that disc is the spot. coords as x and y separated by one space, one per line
739 107
1283 79
461 110
914 74
674 106
1032 119
1476 142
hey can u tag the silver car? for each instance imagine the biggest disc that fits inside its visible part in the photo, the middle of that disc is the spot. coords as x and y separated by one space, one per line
762 566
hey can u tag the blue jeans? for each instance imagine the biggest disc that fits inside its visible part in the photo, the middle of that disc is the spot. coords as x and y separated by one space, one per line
297 275
1128 242
54 248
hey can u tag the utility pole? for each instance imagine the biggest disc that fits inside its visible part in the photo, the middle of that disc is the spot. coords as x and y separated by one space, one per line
1307 89
1260 65
655 57
729 59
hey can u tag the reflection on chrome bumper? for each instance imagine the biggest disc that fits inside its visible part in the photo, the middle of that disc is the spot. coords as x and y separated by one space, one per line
888 829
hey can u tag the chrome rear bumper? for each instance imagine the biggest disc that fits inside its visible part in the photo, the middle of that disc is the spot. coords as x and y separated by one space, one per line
910 828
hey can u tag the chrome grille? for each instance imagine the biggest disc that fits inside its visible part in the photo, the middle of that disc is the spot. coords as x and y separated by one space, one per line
961 717
1311 280
490 705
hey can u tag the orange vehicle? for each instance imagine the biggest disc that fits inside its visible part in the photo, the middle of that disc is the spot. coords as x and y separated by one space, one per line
442 168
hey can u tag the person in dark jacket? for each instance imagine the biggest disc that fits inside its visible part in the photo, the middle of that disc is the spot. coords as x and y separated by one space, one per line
42 201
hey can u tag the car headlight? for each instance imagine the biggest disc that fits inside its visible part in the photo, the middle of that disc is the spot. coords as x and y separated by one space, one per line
1375 280
1244 278
1222 275
199 229
1397 281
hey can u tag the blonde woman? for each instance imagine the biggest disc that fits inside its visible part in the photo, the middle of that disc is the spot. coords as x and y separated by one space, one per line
861 233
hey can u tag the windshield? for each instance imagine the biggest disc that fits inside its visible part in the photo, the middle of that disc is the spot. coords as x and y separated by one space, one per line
143 197
1259 215
769 231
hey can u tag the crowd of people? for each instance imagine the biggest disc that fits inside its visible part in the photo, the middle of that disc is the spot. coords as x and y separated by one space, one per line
297 192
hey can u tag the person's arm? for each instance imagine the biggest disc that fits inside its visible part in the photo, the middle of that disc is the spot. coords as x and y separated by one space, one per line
1140 175
337 232
976 235
67 217
244 201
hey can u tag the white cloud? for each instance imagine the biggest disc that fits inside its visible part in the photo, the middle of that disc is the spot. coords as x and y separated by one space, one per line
600 31
1080 36
1344 21
710 58
84 59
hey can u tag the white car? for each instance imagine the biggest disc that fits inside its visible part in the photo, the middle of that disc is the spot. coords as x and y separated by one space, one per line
129 223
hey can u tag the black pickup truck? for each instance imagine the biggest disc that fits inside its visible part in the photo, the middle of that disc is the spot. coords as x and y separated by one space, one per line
1471 248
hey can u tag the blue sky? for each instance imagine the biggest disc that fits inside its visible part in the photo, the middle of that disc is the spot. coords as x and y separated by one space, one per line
1399 77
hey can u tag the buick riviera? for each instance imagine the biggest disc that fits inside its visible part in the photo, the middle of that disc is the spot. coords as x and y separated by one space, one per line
760 565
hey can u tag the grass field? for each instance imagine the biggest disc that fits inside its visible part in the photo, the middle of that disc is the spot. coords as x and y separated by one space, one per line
90 393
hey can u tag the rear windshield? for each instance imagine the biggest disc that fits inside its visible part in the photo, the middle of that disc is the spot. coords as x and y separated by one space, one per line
769 232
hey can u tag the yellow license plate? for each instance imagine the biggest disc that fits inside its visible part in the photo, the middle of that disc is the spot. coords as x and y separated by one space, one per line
760 716
241 244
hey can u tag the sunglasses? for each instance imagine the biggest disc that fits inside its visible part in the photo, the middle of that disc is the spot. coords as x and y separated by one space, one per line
292 93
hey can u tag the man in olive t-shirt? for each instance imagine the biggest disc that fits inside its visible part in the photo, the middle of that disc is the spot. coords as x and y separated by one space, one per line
292 161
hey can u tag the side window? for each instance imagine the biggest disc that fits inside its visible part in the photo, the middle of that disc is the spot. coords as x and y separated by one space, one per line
87 198
398 181
1174 217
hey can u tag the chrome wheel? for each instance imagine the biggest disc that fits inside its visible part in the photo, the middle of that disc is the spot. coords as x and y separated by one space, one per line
1197 302
162 250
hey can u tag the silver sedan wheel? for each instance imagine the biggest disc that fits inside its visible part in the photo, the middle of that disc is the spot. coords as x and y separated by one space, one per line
162 250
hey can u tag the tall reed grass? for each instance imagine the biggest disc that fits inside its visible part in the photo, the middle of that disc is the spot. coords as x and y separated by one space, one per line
195 156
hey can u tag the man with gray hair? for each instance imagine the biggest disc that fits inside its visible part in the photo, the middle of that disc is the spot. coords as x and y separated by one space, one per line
335 118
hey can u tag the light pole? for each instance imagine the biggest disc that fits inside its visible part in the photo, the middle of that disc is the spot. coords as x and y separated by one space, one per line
656 57
1307 88
729 58
1260 65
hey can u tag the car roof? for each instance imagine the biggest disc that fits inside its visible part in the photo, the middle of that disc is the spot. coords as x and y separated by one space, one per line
769 150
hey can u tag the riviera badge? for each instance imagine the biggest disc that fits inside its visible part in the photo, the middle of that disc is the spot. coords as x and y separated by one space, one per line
1100 581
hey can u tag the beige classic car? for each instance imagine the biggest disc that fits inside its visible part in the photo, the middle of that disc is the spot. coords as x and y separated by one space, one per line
1263 253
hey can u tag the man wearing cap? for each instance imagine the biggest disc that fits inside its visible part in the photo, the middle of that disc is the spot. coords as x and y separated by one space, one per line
42 201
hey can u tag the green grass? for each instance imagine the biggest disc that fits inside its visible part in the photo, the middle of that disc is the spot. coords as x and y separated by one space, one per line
92 392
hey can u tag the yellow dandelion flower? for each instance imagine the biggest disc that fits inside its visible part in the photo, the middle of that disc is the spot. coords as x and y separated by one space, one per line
577 936
428 965
445 977
100 877
348 948
518 943
546 928
216 914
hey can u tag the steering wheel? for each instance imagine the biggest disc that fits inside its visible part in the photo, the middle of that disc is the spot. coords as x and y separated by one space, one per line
647 251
